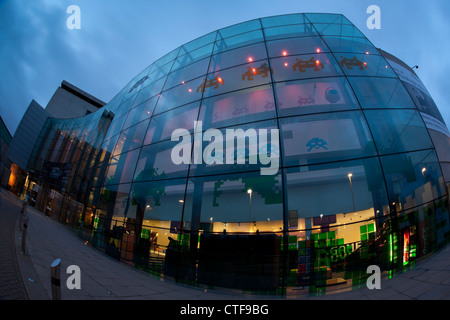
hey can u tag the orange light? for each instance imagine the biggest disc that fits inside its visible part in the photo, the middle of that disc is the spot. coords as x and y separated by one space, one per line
367 52
182 82
285 53
250 59
318 50
317 61
254 70
190 90
219 79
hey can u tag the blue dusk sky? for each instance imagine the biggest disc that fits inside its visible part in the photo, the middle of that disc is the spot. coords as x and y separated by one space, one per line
119 38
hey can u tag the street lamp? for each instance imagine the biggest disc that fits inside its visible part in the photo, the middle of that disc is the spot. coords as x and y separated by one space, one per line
249 191
350 175
423 170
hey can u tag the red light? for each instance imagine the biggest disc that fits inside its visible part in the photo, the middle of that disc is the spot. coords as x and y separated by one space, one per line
254 70
285 64
250 59
182 82
285 53
318 50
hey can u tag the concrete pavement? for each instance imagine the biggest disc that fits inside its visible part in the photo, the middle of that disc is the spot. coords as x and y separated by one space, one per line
105 278
11 286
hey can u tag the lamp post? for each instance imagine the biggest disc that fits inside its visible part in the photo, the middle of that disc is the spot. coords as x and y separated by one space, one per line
350 175
249 191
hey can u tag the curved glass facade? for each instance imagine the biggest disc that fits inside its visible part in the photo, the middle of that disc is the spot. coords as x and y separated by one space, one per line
358 181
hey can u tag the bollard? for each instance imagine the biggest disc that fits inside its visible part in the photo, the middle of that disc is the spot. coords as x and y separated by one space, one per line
24 234
56 279
22 211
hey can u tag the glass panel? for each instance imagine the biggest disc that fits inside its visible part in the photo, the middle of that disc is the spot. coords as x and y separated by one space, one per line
234 230
398 130
244 76
364 64
124 107
150 78
239 28
238 41
121 168
292 46
156 205
235 203
116 126
304 66
137 83
380 92
335 29
192 56
180 95
162 126
283 20
345 191
161 72
413 178
149 91
186 73
350 44
155 163
425 105
298 30
167 59
326 18
325 137
238 56
198 43
113 199
238 107
248 147
131 138
314 95
141 112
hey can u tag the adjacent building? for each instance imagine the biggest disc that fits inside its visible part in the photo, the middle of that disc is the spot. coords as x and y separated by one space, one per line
5 164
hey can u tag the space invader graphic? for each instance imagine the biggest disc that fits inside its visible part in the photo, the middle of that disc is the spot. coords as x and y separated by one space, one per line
263 71
316 143
307 64
305 101
239 111
214 83
354 62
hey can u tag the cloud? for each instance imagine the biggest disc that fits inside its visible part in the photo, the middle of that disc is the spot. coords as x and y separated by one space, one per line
31 45
118 39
